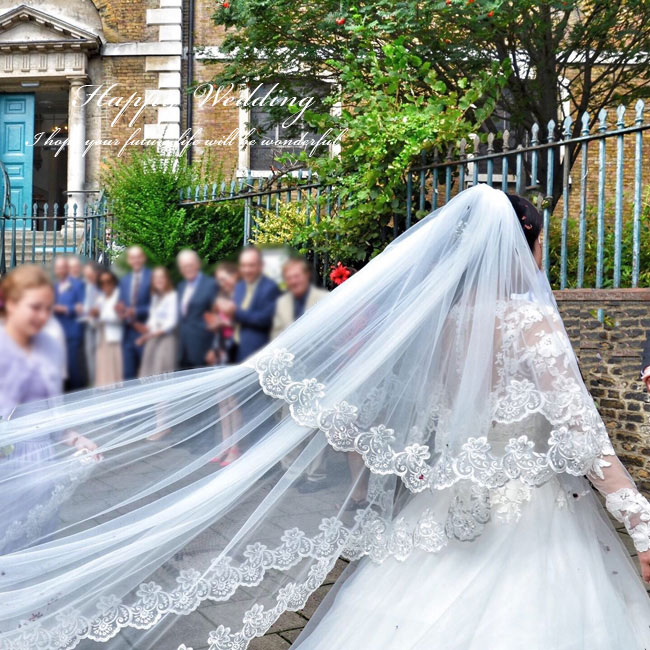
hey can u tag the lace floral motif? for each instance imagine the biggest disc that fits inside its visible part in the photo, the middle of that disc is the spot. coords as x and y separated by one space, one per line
631 508
575 444
371 535
507 501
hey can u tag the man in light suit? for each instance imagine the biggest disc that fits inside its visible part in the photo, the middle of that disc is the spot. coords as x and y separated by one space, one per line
253 305
133 308
196 295
300 296
69 296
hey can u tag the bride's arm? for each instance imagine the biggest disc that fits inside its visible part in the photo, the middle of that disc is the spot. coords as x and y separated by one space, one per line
626 504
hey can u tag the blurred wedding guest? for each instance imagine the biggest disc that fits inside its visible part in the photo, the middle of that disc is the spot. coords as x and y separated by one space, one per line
30 369
222 352
223 348
253 305
133 308
69 297
196 293
91 296
109 364
301 295
53 329
158 335
75 267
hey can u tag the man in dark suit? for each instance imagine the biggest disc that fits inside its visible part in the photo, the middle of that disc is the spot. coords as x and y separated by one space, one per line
253 305
196 295
133 308
69 296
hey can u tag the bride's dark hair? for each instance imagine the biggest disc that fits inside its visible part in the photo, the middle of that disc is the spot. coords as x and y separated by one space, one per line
529 217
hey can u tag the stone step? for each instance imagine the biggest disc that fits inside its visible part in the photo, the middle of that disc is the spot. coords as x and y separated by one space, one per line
38 247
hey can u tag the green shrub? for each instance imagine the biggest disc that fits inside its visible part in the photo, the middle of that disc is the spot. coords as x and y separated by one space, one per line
144 190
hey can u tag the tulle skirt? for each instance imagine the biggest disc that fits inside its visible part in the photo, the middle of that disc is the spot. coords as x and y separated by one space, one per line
558 578
26 515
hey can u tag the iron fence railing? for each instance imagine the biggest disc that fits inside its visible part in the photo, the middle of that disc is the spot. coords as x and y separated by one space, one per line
575 180
589 187
37 236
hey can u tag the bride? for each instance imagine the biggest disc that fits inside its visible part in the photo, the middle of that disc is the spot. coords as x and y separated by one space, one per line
444 369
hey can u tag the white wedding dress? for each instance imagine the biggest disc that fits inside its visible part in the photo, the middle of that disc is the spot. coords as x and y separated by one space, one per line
439 381
549 572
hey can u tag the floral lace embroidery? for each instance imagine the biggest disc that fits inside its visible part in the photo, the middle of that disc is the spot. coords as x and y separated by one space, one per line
371 535
507 501
631 508
574 446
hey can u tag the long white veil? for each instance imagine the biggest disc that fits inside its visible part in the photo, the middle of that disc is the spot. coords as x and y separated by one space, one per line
440 370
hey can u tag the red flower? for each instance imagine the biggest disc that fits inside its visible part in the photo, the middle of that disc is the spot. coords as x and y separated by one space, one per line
226 4
339 274
448 2
340 21
490 14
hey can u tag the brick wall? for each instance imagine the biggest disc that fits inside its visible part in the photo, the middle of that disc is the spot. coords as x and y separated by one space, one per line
130 74
609 354
216 123
124 20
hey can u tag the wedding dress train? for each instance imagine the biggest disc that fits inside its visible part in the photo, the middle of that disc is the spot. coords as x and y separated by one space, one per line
549 573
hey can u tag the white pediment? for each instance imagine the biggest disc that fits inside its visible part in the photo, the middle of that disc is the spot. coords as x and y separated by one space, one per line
25 26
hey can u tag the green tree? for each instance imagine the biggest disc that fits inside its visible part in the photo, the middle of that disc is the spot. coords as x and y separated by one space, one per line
386 124
592 52
390 105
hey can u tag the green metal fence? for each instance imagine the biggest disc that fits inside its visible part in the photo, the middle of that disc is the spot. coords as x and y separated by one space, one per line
36 236
590 189
593 190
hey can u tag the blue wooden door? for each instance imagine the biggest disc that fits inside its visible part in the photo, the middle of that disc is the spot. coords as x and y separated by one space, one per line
17 149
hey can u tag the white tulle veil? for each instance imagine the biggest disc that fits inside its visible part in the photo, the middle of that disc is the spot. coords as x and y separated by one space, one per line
440 371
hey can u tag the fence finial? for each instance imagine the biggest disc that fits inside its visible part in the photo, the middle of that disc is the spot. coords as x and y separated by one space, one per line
551 130
638 108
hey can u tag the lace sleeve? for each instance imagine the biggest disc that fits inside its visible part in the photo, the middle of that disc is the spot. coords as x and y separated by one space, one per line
548 352
623 499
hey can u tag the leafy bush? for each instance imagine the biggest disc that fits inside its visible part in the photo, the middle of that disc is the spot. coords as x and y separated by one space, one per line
284 228
393 106
143 191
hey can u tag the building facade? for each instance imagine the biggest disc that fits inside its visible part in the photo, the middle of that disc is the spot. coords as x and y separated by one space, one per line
85 81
